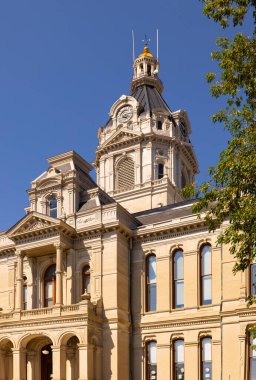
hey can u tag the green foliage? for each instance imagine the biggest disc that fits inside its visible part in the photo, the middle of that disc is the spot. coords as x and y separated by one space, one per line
230 194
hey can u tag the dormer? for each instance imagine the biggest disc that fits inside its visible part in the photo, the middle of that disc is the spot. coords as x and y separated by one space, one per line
57 191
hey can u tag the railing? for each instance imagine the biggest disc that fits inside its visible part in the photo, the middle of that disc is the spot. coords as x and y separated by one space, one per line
46 312
36 312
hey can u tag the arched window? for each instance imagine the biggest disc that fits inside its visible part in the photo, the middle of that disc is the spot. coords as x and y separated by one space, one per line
253 279
178 279
125 174
252 357
53 207
206 358
50 286
206 275
160 171
149 70
151 283
178 359
86 279
151 363
25 293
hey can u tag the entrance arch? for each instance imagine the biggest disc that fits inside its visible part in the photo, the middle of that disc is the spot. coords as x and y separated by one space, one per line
38 357
71 343
6 359
46 362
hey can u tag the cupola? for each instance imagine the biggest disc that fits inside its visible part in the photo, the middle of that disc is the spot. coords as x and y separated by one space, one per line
146 68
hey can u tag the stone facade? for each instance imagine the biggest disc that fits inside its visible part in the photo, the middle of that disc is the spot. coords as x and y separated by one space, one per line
89 283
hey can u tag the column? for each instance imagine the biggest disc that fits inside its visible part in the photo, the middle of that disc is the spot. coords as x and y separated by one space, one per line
70 283
19 364
58 362
19 281
83 362
2 365
31 374
59 272
70 364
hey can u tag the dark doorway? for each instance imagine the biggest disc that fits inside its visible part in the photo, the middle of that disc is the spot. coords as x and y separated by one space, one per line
46 362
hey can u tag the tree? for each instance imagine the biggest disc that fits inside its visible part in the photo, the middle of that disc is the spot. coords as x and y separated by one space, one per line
230 194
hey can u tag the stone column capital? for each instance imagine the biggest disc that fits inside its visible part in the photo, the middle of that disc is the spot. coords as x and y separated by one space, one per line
58 245
19 253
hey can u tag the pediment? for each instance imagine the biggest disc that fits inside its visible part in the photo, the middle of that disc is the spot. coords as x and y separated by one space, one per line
33 222
121 136
49 182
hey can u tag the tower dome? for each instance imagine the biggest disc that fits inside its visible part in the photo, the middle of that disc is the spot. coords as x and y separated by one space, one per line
146 68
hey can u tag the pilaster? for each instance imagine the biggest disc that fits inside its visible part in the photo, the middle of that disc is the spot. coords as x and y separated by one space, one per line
59 274
19 281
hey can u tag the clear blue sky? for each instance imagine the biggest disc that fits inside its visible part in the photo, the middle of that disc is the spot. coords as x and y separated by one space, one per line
63 64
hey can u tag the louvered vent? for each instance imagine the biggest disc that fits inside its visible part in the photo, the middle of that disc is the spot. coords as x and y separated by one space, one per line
125 174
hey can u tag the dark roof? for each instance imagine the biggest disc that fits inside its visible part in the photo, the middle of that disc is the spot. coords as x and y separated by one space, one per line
150 99
164 213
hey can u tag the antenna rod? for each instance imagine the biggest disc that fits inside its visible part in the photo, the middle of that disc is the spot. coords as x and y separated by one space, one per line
133 48
157 44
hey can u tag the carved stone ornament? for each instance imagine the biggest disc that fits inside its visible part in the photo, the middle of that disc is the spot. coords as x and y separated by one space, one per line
124 114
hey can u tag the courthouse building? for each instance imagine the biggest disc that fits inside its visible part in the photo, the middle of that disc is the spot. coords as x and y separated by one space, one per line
118 279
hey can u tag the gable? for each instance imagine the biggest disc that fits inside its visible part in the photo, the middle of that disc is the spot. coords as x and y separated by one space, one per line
122 136
33 222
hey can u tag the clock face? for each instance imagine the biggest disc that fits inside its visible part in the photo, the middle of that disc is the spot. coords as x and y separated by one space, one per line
124 114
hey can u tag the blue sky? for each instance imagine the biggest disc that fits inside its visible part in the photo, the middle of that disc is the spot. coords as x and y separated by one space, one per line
63 64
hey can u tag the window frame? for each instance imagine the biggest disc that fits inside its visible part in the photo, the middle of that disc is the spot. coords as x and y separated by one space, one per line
174 357
159 123
249 353
201 356
174 280
85 275
147 361
251 280
54 209
25 299
148 284
160 175
202 276
46 281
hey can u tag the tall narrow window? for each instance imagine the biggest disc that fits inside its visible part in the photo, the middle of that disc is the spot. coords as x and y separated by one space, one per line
151 364
160 171
178 280
206 275
86 279
206 358
151 283
50 286
252 357
159 124
178 359
25 293
253 280
53 207
126 174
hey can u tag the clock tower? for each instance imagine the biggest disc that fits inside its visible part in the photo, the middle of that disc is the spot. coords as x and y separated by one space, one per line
145 157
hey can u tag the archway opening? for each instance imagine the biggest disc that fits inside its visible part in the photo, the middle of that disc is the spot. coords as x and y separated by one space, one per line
72 358
39 358
6 359
46 362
